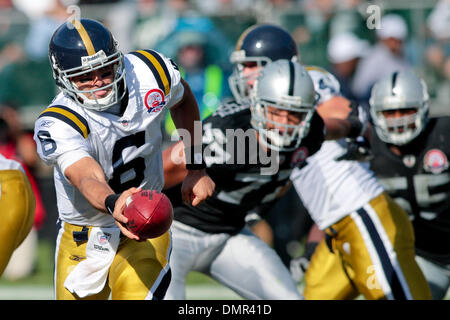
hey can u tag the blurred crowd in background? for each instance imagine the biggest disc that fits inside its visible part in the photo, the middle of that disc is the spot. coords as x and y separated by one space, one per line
339 35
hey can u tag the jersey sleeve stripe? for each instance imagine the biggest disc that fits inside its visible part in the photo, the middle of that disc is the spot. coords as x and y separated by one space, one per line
156 68
164 68
70 117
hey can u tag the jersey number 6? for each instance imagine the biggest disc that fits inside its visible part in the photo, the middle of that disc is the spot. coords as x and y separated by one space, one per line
130 174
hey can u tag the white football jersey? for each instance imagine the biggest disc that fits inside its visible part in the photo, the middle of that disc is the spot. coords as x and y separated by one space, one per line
127 147
331 189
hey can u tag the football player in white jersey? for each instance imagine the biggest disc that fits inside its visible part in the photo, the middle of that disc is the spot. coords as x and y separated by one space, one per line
17 205
369 241
102 134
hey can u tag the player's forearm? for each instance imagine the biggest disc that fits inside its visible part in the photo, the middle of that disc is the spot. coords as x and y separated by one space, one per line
336 128
186 116
95 192
174 165
88 177
341 128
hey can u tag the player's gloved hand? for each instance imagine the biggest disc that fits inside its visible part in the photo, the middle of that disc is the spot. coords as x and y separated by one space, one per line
298 266
358 149
358 120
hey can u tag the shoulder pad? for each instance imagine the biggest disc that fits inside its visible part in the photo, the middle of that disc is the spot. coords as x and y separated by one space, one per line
158 68
229 108
69 116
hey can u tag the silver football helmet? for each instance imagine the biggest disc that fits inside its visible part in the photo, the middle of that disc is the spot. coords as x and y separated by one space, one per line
399 91
283 86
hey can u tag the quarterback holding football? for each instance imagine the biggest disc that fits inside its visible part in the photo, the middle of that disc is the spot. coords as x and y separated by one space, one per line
102 135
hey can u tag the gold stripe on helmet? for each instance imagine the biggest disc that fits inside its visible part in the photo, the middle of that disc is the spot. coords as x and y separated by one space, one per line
84 37
315 68
243 35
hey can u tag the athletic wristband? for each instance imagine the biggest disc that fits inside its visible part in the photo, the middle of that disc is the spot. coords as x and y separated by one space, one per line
110 202
194 158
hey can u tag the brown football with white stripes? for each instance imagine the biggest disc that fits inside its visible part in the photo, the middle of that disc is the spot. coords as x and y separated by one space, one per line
149 213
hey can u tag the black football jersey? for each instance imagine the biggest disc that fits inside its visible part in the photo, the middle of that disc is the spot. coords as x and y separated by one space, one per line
419 181
241 169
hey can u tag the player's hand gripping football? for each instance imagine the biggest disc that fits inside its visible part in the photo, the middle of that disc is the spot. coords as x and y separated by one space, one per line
197 187
118 215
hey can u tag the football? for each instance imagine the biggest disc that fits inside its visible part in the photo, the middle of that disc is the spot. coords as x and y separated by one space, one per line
149 214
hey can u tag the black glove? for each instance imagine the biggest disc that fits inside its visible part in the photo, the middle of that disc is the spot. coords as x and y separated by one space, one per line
299 265
357 118
358 149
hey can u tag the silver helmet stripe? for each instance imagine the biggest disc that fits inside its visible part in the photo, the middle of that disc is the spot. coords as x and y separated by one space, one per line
394 80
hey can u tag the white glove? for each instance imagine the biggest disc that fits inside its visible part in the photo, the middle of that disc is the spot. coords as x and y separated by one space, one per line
298 268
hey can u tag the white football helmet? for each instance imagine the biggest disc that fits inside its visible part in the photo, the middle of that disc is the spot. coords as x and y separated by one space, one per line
325 84
283 85
399 91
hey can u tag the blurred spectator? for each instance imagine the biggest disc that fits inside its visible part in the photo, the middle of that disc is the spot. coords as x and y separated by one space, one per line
227 6
386 56
156 20
121 21
309 27
17 144
437 56
344 52
201 53
347 18
13 29
18 78
45 16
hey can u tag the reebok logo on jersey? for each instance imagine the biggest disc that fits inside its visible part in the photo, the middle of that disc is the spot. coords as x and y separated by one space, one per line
155 100
47 123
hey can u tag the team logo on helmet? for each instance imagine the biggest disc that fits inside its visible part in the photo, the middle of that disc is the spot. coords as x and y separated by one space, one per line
154 100
299 156
435 161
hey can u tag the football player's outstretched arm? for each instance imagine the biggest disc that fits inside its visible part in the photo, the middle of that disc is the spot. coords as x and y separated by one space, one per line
88 177
197 185
340 118
174 165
